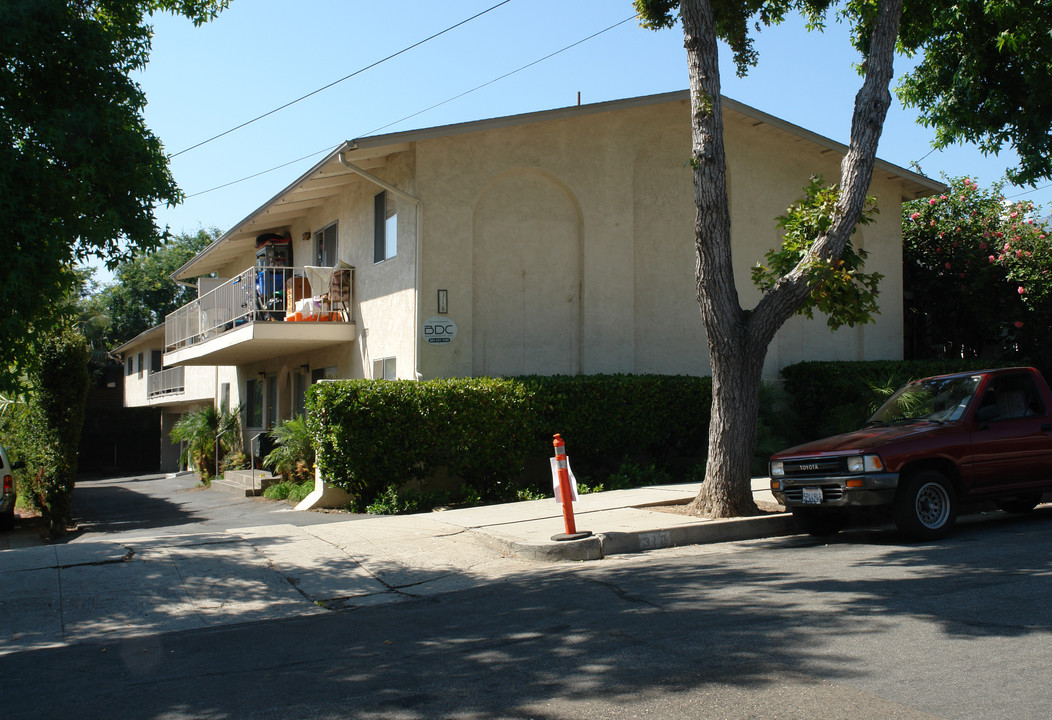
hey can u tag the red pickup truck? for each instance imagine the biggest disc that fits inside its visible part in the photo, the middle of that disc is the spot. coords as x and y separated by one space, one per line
974 436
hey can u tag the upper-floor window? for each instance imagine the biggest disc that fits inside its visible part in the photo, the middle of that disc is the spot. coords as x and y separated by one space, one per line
142 365
131 366
156 362
325 246
385 228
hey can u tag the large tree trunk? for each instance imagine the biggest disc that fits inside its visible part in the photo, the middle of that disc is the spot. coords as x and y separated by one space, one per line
738 340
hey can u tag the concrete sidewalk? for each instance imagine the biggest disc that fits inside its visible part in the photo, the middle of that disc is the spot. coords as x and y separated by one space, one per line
114 586
622 521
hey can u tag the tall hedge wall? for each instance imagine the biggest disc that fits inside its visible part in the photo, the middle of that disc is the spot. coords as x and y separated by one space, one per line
835 397
371 434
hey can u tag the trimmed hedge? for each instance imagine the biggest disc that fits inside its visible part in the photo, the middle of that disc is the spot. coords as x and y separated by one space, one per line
374 434
836 397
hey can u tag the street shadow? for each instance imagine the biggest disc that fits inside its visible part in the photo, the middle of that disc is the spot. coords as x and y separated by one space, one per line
606 634
111 508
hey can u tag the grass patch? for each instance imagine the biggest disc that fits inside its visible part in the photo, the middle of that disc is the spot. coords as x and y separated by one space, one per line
291 491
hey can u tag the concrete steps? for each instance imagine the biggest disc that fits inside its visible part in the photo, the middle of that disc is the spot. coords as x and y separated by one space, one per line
245 482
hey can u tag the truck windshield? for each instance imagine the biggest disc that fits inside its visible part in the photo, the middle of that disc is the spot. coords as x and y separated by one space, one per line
933 400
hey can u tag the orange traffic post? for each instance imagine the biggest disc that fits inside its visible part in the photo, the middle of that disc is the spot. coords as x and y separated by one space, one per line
565 494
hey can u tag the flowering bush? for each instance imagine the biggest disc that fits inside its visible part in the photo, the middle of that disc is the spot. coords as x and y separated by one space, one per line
975 273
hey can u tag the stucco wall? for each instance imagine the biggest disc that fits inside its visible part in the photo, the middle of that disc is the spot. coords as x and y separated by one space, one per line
567 246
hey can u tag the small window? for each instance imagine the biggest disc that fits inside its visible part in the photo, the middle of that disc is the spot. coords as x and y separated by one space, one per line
141 365
224 397
385 230
318 374
155 361
326 245
384 369
131 367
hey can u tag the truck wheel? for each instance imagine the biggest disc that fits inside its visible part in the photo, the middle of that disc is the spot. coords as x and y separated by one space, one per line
820 523
1020 504
926 506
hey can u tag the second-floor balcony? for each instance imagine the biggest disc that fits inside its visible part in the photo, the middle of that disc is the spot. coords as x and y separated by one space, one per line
263 312
165 383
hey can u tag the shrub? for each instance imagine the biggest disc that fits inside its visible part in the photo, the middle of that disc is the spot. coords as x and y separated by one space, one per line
293 453
199 429
369 433
286 490
44 429
484 431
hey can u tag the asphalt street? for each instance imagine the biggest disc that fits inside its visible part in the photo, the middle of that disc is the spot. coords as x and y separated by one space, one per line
863 626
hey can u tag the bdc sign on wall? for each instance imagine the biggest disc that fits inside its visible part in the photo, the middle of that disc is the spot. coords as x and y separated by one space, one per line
439 330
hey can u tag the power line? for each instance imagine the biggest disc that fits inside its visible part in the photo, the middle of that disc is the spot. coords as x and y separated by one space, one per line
1027 192
407 117
263 172
497 79
337 82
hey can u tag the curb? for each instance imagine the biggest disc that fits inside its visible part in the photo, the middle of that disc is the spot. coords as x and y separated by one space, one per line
600 545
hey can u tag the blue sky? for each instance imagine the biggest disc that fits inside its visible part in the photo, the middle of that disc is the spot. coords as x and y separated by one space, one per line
258 56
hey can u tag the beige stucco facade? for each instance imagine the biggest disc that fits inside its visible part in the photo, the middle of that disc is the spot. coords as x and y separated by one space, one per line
561 241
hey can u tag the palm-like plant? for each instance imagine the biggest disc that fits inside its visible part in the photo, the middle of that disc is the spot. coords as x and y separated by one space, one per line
199 430
293 454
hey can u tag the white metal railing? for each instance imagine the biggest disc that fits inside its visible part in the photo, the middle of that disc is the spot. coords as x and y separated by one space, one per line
258 294
165 382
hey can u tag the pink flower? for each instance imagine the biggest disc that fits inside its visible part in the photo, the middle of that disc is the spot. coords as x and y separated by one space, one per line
1018 323
982 246
943 197
962 275
947 266
933 201
1014 215
914 216
967 181
990 259
1021 290
932 223
1019 253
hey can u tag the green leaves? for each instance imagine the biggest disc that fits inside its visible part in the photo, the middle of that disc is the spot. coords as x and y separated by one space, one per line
80 172
484 432
839 288
992 257
985 77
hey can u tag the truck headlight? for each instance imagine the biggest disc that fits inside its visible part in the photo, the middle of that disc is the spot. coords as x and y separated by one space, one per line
864 463
777 469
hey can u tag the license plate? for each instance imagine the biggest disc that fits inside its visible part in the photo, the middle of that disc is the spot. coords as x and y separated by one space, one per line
812 496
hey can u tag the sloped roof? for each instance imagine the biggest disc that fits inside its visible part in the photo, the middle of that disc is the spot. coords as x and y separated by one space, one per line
328 177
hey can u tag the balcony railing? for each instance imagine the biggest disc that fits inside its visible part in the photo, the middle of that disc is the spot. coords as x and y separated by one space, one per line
165 382
263 294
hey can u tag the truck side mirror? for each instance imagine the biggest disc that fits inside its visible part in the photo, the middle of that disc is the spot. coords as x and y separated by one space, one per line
986 414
